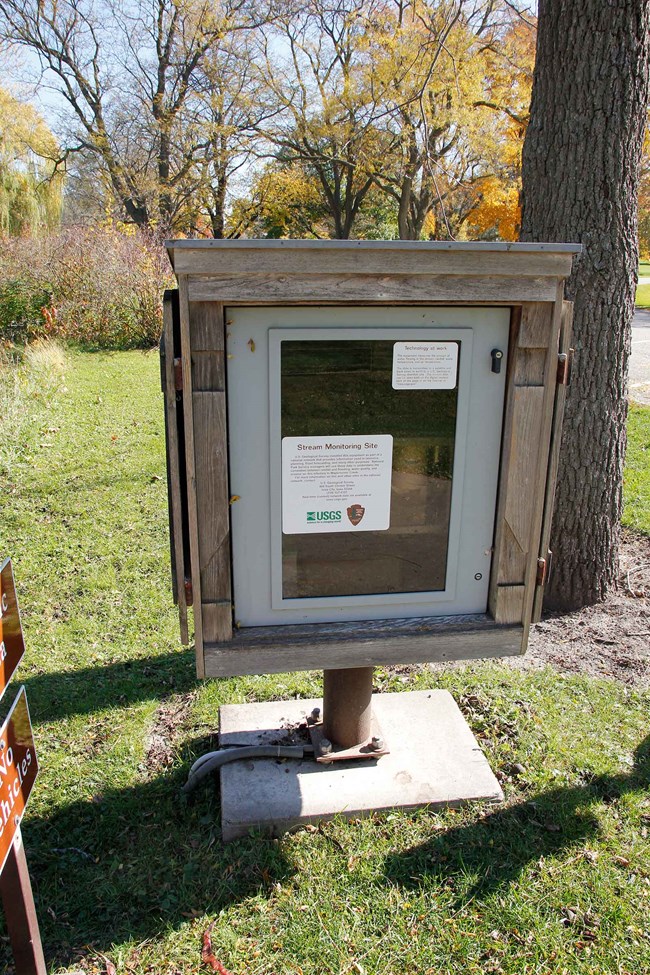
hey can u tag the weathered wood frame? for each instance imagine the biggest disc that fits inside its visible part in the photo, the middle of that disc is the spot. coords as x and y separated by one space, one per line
528 278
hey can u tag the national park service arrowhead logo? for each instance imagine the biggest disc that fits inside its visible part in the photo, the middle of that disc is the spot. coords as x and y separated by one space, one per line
356 513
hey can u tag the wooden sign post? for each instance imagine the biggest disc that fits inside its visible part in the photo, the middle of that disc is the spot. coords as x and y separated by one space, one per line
18 771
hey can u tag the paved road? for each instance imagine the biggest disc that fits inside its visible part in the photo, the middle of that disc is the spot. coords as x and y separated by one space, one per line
640 358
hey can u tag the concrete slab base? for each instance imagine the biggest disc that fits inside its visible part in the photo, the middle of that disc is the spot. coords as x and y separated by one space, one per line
434 761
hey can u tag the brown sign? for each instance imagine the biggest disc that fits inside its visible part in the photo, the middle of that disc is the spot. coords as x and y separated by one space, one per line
12 645
18 770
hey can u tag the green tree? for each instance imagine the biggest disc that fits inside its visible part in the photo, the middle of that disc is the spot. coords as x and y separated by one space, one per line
284 201
30 184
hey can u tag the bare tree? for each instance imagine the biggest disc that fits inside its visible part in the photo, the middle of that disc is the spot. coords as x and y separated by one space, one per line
232 107
327 112
126 71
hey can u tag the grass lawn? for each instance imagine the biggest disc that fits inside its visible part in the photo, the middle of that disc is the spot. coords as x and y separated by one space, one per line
643 296
636 513
128 876
643 291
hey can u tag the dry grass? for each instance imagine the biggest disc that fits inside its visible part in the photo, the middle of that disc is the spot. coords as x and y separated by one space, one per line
27 384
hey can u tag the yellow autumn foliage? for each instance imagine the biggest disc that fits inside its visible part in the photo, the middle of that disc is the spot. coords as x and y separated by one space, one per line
30 186
497 210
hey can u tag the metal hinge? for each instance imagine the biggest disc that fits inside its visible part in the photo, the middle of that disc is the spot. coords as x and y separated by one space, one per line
178 375
565 367
544 567
189 592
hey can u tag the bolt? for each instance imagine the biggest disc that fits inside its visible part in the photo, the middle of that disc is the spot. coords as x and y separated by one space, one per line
325 746
315 714
377 744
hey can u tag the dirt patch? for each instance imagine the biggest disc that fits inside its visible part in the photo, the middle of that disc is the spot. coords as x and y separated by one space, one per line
166 731
611 639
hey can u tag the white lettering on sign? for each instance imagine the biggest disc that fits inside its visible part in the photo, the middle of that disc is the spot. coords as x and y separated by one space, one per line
11 781
336 484
18 771
12 645
425 365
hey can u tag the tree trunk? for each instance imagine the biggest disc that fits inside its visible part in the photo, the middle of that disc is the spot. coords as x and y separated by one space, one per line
217 208
580 183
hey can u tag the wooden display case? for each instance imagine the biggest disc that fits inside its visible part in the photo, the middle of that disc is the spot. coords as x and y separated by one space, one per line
213 276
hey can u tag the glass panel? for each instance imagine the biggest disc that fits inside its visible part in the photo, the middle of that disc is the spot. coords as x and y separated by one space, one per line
339 388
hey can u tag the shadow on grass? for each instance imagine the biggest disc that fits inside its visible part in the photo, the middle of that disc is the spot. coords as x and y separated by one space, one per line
55 696
499 846
132 863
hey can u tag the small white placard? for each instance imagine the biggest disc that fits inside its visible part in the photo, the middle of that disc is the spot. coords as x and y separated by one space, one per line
425 365
336 484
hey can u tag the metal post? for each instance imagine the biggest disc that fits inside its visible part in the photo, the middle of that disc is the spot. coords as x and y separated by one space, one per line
347 705
20 912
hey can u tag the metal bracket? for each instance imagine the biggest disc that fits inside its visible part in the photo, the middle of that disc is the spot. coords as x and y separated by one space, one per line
327 752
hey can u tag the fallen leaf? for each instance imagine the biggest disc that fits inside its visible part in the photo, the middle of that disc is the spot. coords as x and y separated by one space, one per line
569 915
207 956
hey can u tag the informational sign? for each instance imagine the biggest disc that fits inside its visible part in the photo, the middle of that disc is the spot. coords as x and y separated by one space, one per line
18 770
12 645
425 365
336 484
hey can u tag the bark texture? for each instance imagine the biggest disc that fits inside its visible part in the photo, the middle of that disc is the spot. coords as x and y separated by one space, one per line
580 183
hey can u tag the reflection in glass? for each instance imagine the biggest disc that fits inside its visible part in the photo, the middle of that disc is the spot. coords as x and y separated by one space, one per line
339 388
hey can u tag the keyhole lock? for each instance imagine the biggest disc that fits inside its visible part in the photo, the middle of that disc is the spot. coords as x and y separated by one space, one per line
497 356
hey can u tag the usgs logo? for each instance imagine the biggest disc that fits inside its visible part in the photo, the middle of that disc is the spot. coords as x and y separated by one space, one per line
324 515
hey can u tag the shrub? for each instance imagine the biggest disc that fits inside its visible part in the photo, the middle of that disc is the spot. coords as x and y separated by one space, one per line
98 287
21 303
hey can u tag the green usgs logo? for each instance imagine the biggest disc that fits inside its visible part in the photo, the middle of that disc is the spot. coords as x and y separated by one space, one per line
324 515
